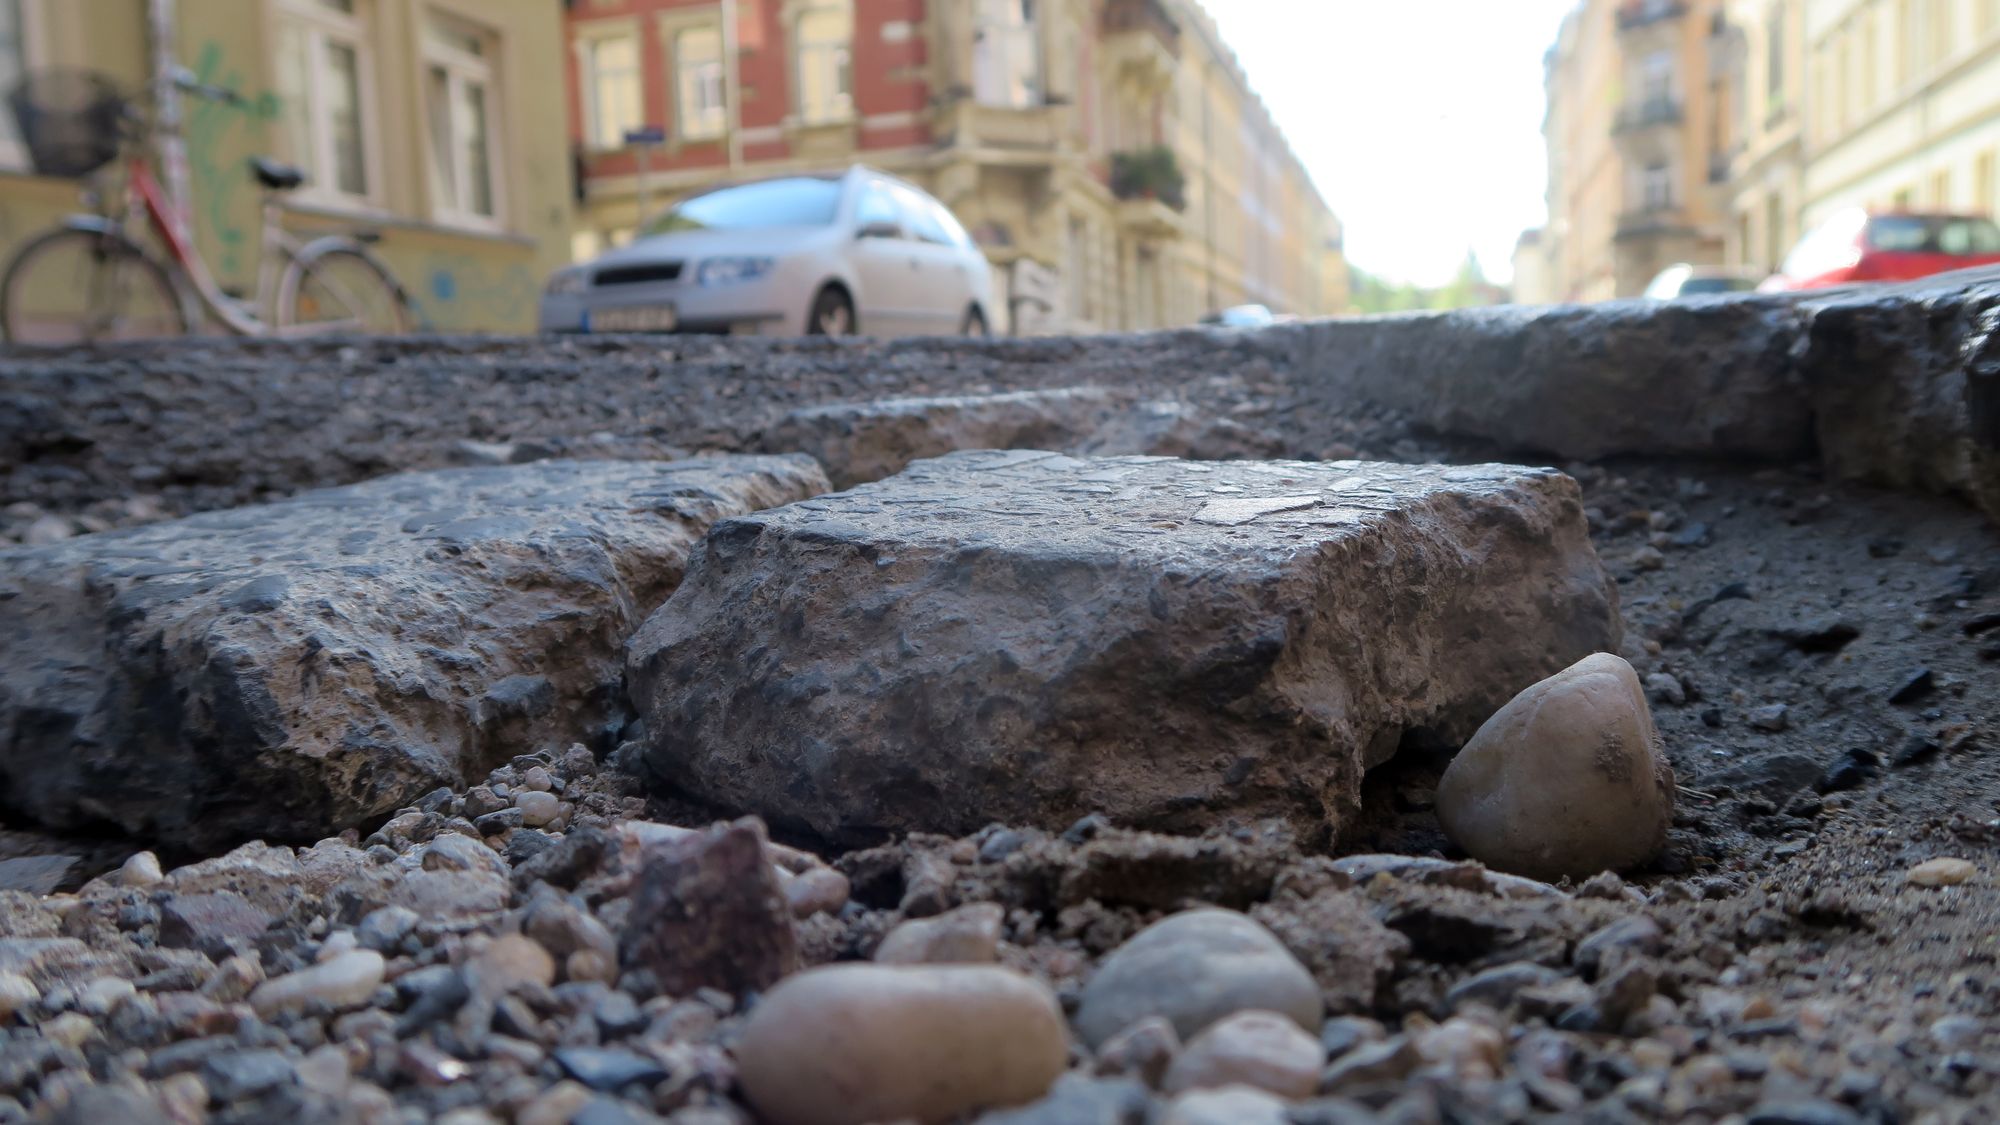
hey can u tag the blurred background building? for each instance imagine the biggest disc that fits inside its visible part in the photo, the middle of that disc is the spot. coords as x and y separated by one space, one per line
436 122
1718 132
1108 155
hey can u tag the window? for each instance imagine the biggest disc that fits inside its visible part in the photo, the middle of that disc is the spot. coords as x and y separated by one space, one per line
1940 30
460 106
921 217
14 60
824 35
612 100
1006 54
1983 185
796 201
698 83
325 73
877 208
1656 187
1656 78
1941 189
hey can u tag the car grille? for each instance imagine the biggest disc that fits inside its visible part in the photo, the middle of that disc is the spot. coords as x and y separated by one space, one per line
635 275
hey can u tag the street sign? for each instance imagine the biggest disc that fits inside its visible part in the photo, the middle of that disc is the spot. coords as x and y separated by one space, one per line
646 135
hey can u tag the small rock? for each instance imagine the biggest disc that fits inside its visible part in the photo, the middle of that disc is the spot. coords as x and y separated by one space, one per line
967 935
1915 686
16 993
1664 688
1077 1099
1496 987
510 962
538 807
1372 1064
344 982
384 929
1260 1049
1607 946
1195 968
142 869
1145 1051
1467 1050
1941 872
709 912
46 530
1772 718
1230 1105
817 890
606 1069
1853 768
1345 1033
215 923
852 1043
102 996
1568 779
1647 558
234 1075
1808 1112
37 874
557 1105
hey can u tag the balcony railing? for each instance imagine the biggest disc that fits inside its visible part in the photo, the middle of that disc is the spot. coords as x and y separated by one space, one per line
1640 13
1649 113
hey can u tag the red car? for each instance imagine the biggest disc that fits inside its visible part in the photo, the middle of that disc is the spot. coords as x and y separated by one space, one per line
1855 246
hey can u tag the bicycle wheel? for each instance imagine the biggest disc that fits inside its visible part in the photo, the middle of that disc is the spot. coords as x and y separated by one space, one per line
79 286
341 289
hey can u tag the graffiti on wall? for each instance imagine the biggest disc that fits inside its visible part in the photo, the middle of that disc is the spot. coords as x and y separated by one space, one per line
460 292
215 156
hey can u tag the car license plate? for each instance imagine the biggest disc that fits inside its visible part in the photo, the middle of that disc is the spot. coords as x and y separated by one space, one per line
634 318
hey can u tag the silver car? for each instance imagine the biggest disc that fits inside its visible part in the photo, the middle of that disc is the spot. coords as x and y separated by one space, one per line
859 252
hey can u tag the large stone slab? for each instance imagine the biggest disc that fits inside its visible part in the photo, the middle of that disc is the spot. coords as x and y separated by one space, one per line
293 668
1905 385
1028 637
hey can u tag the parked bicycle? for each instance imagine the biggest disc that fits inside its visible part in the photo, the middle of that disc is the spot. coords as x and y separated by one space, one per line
90 279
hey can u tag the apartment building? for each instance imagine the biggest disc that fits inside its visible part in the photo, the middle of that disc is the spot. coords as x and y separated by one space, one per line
426 120
1767 155
1903 105
1638 131
1107 155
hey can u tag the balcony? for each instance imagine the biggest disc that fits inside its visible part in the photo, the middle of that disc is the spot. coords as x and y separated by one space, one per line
1142 41
1636 14
1149 174
1024 135
1150 219
1651 220
1648 114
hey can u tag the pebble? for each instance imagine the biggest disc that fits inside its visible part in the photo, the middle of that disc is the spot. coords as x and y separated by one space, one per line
1144 1050
1568 779
538 807
1467 1050
852 1043
967 935
1664 688
608 1069
102 996
141 870
1941 872
1772 718
384 929
817 890
1231 1105
17 993
509 962
1260 1049
233 1075
344 982
1195 968
557 1105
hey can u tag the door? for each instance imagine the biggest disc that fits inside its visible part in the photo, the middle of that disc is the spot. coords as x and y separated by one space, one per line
887 269
942 264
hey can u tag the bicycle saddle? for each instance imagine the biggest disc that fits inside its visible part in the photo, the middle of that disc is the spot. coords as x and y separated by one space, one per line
276 176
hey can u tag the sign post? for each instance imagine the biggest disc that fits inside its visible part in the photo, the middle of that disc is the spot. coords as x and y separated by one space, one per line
645 139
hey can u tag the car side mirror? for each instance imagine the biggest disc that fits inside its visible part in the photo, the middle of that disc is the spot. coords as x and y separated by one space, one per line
881 228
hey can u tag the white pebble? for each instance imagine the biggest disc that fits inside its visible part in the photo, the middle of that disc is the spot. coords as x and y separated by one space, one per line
344 982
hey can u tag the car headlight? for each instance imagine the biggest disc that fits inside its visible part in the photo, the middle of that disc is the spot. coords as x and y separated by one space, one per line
567 283
729 271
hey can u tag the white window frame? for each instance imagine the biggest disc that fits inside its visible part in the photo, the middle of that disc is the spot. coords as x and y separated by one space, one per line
34 53
1007 64
588 40
322 27
692 120
463 68
844 109
1656 187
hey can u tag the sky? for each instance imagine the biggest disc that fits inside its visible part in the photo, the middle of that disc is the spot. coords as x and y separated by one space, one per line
1419 120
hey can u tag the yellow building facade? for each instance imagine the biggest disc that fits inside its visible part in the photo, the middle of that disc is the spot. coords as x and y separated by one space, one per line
1022 117
1639 131
1902 105
431 122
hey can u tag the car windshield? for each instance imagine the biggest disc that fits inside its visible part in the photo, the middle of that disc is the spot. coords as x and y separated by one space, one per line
1933 234
1697 285
805 201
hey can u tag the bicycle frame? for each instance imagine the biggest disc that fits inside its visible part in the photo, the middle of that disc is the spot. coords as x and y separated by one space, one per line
275 247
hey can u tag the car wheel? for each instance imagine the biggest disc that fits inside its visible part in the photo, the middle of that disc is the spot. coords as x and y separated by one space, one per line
975 323
832 314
